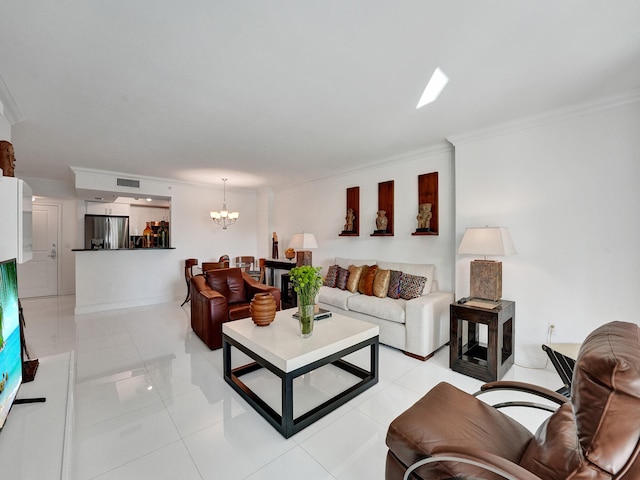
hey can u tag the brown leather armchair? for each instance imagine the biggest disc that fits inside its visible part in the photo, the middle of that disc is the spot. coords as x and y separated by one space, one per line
595 434
221 295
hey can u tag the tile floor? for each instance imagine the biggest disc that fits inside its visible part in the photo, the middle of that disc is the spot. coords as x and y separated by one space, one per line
150 402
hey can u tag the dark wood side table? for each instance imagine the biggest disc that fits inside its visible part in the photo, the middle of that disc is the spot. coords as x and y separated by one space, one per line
485 362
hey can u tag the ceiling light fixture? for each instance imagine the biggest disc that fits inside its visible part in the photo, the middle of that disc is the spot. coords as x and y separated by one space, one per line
224 217
434 88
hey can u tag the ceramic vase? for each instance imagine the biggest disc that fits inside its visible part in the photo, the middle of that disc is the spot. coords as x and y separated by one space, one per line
262 309
305 317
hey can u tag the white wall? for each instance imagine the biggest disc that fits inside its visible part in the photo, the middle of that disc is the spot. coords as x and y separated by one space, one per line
568 190
319 207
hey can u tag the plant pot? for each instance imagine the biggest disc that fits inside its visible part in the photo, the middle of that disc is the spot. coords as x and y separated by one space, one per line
262 309
306 319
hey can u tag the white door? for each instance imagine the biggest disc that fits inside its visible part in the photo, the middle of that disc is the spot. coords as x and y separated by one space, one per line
39 276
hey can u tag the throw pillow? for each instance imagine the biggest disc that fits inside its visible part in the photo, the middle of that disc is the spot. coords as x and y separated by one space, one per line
381 283
332 275
367 278
363 274
394 284
342 278
411 286
354 278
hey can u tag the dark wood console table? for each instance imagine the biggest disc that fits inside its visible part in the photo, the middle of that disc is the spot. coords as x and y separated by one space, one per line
272 265
490 362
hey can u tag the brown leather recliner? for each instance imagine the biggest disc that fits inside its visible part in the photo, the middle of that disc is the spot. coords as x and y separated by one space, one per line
221 295
595 434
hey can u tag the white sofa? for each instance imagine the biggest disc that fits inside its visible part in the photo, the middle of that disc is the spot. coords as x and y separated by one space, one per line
418 326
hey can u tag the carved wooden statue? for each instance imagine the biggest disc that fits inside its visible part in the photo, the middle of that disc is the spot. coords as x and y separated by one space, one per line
7 159
424 216
381 220
351 216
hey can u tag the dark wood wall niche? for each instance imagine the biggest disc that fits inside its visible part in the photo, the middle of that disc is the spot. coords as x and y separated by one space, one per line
353 202
385 202
428 193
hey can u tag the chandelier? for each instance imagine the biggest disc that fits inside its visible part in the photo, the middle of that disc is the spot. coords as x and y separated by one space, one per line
224 217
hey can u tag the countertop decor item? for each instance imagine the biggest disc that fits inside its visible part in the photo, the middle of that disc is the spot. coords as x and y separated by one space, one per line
262 309
306 282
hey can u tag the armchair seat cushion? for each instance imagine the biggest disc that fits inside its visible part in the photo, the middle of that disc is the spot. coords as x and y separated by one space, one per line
436 420
239 310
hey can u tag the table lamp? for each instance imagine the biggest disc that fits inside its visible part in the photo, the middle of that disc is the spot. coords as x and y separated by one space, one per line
486 275
301 242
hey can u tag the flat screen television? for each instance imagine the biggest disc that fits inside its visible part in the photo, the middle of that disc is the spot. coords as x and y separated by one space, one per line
10 345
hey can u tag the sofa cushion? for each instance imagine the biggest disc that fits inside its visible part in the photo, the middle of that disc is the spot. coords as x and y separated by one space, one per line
332 275
381 283
419 269
385 308
354 278
394 283
368 275
342 278
345 262
334 296
411 286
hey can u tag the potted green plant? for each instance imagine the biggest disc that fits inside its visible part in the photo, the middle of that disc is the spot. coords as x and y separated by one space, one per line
306 282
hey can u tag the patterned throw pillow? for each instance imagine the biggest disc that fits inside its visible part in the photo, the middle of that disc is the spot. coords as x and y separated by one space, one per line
342 278
332 275
394 284
411 286
366 280
381 283
354 278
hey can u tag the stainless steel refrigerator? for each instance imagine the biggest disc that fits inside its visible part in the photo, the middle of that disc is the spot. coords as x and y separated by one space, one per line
106 232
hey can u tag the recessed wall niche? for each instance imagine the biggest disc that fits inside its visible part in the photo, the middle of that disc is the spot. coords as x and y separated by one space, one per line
385 204
352 213
427 211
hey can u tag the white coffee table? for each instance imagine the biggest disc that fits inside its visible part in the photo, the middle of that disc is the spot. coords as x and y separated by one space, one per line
280 349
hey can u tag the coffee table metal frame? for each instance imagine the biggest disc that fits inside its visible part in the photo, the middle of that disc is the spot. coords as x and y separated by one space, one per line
285 423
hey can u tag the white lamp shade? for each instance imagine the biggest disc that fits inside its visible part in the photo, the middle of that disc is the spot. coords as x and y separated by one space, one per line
303 241
487 241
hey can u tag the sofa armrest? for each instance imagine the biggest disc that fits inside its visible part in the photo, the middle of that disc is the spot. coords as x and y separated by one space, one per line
252 286
427 322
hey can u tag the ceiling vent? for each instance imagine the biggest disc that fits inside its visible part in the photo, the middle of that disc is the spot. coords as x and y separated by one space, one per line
125 182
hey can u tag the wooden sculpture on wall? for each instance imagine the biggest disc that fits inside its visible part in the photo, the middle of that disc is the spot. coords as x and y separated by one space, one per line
7 158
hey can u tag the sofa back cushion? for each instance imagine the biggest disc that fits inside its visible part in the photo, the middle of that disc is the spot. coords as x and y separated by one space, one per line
421 270
229 282
345 262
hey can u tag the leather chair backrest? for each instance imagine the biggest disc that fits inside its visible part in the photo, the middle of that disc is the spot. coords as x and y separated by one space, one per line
229 282
605 393
597 434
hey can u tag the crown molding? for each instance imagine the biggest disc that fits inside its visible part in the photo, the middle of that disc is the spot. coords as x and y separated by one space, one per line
549 117
11 110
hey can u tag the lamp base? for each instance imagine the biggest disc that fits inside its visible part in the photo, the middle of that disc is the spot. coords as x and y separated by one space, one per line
486 280
303 257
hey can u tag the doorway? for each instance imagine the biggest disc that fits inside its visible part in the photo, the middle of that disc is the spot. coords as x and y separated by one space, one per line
39 276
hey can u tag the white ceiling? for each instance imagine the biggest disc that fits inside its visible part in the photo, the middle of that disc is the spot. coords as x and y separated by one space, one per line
269 92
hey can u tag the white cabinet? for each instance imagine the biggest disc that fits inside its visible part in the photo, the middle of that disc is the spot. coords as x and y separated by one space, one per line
101 208
16 220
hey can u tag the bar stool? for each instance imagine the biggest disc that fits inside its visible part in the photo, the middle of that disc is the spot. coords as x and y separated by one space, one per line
189 263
